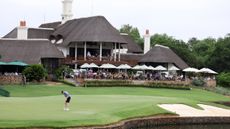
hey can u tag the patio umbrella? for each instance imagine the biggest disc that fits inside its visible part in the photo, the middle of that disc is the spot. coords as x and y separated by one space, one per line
160 68
17 63
173 68
85 66
124 66
151 68
192 70
137 67
2 63
92 65
144 67
107 66
207 70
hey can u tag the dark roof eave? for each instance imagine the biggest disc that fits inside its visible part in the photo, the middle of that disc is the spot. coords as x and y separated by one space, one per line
66 44
61 57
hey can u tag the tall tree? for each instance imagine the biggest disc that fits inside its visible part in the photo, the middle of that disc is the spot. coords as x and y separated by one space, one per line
178 46
219 60
202 49
133 32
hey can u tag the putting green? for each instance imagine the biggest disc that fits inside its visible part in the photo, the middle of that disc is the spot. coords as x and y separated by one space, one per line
94 109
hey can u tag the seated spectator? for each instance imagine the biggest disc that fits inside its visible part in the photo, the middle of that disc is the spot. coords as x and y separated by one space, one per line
88 54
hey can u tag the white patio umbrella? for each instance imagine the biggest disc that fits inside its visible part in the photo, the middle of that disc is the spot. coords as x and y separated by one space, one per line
137 67
173 68
85 66
144 67
192 70
108 66
151 68
92 65
160 68
207 70
124 66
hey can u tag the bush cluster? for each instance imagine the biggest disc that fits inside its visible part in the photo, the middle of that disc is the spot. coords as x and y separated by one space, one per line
67 83
219 90
62 71
35 72
223 79
198 82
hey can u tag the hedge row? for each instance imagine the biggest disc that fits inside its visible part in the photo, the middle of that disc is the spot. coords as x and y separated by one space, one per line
67 83
130 84
107 83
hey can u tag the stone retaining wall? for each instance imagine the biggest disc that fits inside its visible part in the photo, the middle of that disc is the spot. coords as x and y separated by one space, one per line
154 121
10 79
149 122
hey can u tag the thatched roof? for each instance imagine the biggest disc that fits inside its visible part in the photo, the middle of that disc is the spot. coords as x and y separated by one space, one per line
33 33
28 51
11 34
91 29
131 59
50 25
132 46
163 54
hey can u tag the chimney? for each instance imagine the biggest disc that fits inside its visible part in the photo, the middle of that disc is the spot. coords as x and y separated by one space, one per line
22 23
147 41
67 10
22 31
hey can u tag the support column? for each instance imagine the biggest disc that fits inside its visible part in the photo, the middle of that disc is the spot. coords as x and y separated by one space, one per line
75 51
111 53
115 54
75 55
67 51
100 56
85 51
119 53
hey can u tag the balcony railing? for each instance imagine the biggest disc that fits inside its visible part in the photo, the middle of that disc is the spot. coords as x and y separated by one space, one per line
96 60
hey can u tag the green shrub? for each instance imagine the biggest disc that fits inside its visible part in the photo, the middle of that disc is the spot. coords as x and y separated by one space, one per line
67 83
168 86
35 72
223 79
198 82
4 93
219 90
61 71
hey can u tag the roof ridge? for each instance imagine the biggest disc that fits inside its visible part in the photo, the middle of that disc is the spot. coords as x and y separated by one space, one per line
15 39
158 45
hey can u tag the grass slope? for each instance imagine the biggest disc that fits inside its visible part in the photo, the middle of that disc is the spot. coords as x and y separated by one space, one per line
41 105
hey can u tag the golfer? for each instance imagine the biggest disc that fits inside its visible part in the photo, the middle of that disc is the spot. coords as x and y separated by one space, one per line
67 101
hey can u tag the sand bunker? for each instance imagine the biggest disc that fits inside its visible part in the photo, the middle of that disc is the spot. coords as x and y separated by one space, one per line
187 111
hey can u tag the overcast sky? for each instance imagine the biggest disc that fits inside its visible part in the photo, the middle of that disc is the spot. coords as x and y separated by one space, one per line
181 19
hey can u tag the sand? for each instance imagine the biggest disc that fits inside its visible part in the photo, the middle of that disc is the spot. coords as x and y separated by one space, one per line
187 111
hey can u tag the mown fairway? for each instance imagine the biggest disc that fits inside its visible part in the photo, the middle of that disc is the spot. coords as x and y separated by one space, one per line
41 105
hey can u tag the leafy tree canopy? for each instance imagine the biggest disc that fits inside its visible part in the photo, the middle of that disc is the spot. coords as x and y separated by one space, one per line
220 57
133 32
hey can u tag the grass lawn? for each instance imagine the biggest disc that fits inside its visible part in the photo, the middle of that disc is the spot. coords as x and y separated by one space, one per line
42 105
